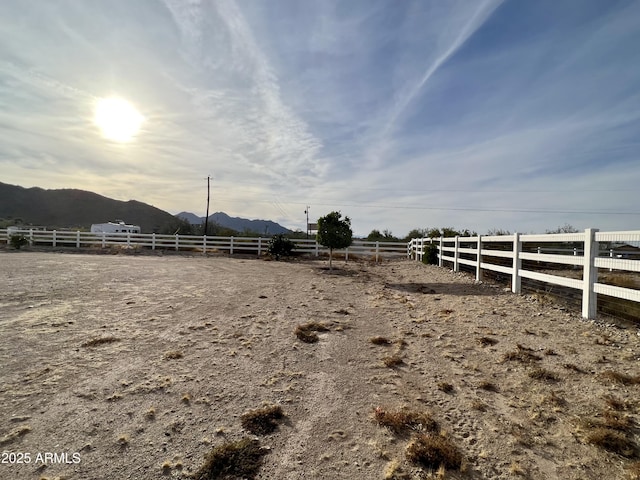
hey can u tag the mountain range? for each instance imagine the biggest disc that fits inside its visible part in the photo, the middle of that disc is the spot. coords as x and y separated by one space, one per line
73 208
263 227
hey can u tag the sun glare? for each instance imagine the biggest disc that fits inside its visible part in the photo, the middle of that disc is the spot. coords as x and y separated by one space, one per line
117 119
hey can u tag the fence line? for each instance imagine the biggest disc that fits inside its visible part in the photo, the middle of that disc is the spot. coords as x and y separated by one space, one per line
505 254
257 245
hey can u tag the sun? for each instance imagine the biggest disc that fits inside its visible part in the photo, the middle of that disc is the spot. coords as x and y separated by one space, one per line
118 119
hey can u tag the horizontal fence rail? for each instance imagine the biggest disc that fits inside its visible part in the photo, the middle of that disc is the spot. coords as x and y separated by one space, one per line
205 244
586 252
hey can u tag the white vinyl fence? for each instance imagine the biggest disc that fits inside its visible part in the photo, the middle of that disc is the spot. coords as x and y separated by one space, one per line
588 252
231 245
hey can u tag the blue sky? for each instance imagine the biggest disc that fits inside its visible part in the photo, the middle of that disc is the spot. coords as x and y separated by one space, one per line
480 114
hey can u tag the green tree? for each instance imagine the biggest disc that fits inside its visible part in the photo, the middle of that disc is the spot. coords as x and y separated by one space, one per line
279 245
566 228
333 232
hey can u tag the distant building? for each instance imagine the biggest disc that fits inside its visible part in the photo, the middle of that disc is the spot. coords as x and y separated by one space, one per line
114 227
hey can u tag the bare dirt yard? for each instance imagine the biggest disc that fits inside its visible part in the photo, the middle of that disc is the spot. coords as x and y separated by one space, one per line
140 366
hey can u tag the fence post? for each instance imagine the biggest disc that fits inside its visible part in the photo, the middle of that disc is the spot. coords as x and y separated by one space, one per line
53 242
377 250
590 274
516 280
77 238
31 238
231 246
456 244
610 256
259 246
177 242
346 255
440 251
104 240
153 241
317 249
479 260
128 239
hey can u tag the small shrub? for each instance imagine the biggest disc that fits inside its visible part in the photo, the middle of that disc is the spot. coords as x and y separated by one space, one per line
263 420
612 441
434 451
392 361
487 341
521 354
445 387
543 374
380 341
618 377
18 241
173 355
241 459
307 331
403 421
488 386
430 256
280 246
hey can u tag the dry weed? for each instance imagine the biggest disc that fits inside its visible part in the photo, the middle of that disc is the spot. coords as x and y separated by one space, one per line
433 451
241 459
402 422
262 421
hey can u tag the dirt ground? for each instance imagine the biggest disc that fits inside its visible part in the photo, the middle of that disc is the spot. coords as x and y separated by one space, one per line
135 367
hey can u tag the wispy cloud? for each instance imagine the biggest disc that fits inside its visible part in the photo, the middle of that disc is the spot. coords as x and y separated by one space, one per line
401 114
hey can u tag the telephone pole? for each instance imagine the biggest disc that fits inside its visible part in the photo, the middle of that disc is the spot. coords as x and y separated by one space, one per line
206 219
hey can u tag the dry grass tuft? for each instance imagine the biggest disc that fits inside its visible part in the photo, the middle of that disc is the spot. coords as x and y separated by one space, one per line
307 331
241 459
100 341
262 421
521 354
173 355
543 374
392 361
434 451
402 422
488 386
14 434
575 368
618 377
380 341
445 387
616 403
487 341
612 441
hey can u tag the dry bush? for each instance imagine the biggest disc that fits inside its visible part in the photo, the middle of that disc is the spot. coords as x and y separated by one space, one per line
434 451
616 403
612 441
392 361
575 368
307 331
241 459
521 354
263 420
402 422
445 387
380 341
543 374
487 341
488 386
100 341
618 377
173 355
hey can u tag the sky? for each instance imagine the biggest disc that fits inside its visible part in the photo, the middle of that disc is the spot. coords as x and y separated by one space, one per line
479 114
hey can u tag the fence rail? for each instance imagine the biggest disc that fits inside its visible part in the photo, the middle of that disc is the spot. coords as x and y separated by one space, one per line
588 251
205 244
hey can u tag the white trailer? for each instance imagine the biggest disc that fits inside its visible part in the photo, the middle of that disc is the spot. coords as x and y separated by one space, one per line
114 227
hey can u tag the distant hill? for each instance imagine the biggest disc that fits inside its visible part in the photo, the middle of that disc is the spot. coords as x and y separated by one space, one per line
71 208
264 227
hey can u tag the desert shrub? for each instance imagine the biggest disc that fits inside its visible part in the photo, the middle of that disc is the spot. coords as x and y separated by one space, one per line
307 331
434 451
241 459
280 246
263 420
403 421
17 241
430 256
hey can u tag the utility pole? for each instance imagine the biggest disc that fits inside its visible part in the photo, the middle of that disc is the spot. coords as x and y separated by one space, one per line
206 219
307 212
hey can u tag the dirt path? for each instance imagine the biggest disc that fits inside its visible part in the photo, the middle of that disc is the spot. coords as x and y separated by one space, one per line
137 366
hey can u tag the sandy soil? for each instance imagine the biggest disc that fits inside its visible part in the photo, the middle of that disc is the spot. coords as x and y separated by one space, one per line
189 344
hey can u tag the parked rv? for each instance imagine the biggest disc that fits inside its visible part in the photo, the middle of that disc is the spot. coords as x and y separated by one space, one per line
114 227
